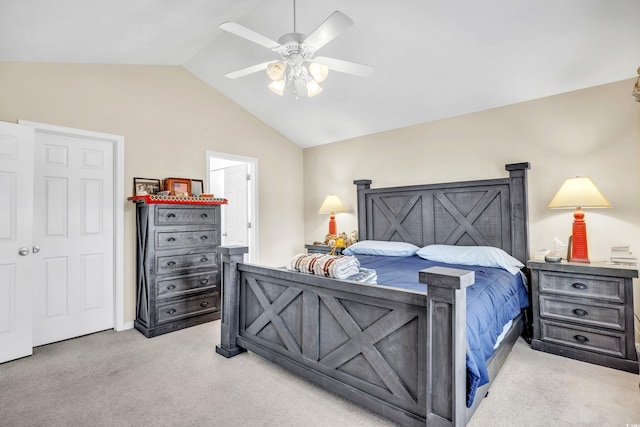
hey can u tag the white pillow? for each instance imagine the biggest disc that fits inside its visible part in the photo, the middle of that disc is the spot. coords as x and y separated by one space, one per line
379 247
484 256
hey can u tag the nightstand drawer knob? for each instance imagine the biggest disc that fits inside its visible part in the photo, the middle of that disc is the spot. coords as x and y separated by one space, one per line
581 339
580 286
579 312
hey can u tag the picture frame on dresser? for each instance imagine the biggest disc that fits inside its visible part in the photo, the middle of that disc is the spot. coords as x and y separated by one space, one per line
144 186
197 187
178 186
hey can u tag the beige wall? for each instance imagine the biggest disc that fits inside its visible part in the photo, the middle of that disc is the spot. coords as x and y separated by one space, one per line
169 119
593 132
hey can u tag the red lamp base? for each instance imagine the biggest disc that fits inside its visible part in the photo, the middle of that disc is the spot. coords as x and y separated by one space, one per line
579 249
332 224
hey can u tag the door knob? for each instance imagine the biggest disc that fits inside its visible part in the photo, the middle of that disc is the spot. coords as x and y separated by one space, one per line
23 251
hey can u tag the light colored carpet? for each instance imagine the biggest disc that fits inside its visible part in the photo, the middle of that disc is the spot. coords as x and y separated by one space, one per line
125 379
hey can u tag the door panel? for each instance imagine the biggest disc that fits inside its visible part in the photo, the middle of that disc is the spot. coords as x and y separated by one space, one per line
73 225
235 190
16 207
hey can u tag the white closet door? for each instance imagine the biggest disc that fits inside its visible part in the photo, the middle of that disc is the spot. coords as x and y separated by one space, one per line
16 207
74 229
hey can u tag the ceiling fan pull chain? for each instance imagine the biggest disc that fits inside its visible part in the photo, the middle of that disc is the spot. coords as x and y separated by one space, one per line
294 16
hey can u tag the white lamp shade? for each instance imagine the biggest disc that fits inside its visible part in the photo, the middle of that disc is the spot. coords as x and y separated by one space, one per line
313 88
578 192
318 71
275 70
331 204
277 87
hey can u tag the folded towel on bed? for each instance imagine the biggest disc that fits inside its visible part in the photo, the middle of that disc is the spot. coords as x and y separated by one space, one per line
336 266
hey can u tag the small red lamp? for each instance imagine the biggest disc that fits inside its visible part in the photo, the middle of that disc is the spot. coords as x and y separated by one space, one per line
577 193
332 205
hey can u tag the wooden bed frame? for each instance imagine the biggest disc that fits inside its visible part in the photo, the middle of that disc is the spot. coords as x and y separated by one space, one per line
401 354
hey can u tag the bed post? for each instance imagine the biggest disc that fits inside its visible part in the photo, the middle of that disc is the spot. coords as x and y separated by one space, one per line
230 257
361 186
519 210
446 344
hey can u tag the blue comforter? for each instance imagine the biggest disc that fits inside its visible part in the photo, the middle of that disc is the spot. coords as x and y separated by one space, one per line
495 298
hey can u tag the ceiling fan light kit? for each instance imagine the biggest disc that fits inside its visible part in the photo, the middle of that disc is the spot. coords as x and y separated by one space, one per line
297 67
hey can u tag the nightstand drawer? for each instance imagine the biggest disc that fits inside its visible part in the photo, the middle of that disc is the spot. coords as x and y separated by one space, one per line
584 286
593 340
584 312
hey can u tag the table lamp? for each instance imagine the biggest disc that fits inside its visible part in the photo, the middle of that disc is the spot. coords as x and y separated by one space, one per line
577 193
332 205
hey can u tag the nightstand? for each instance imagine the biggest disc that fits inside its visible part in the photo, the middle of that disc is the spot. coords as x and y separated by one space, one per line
322 249
585 312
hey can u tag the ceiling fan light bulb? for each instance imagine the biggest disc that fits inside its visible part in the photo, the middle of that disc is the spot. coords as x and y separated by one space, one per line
275 70
313 88
277 87
318 71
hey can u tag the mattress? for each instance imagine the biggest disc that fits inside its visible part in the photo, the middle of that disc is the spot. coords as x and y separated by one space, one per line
495 298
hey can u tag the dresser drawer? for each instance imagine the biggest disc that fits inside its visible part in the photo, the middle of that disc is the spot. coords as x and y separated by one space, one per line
172 263
609 343
584 286
171 287
169 215
176 309
583 312
186 239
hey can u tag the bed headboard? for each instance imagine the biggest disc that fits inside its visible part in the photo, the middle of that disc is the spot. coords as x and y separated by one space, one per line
490 212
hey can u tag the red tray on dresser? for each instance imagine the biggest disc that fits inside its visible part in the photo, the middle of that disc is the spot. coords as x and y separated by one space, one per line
174 200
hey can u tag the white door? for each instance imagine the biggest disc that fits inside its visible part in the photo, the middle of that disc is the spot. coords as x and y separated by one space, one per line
16 207
74 230
235 191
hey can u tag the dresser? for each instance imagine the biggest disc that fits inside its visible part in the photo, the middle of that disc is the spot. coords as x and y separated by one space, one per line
178 273
585 312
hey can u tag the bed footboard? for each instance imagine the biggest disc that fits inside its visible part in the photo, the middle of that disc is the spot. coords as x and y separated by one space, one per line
400 354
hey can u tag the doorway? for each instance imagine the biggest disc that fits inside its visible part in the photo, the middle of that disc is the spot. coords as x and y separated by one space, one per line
234 178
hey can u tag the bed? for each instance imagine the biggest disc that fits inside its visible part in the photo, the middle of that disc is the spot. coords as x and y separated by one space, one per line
401 353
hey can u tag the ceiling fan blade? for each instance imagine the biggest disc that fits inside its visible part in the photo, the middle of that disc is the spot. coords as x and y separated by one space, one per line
328 30
250 35
345 66
249 70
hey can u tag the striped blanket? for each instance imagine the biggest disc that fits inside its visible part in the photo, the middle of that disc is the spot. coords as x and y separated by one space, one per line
335 266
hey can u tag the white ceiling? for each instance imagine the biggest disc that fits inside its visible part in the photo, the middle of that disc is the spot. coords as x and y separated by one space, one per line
433 59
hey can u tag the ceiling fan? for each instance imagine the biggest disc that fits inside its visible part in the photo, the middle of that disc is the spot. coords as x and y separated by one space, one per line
298 66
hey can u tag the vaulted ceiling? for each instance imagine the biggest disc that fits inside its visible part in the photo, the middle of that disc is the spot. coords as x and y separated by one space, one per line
433 59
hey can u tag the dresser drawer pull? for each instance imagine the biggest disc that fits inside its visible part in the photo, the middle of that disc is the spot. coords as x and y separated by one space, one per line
171 287
204 259
579 312
203 215
171 263
581 339
204 237
204 304
204 281
171 215
171 239
173 310
580 286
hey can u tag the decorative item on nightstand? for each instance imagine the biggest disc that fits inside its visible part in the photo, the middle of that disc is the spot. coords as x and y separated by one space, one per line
332 205
577 193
